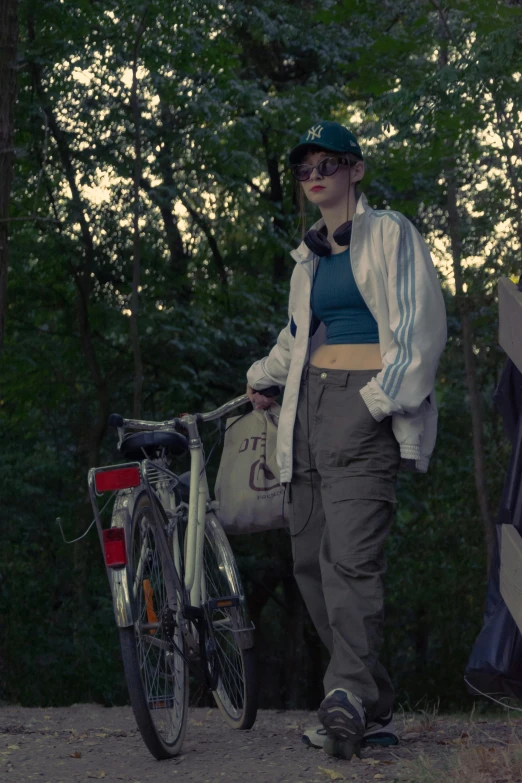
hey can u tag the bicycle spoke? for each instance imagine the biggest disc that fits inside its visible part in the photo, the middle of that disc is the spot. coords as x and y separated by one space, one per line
139 567
231 673
162 673
232 669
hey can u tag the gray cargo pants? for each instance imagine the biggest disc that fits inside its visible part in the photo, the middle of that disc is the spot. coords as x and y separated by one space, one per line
340 509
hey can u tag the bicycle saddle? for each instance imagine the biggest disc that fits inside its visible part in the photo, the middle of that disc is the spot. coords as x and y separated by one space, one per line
133 446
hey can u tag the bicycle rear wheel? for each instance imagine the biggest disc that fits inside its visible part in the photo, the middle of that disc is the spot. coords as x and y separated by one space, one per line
153 648
230 637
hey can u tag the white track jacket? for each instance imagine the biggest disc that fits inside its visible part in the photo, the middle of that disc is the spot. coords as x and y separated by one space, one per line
394 272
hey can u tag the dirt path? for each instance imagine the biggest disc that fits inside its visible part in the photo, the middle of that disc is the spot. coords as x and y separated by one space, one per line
88 742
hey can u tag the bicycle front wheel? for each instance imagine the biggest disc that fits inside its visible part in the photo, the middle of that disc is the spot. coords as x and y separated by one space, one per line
153 649
229 633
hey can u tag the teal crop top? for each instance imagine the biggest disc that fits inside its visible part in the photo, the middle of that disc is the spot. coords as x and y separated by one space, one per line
337 302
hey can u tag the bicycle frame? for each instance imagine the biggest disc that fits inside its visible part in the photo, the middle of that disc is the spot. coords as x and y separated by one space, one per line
123 592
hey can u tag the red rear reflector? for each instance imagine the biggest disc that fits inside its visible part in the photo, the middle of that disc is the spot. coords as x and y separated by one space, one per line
119 478
114 546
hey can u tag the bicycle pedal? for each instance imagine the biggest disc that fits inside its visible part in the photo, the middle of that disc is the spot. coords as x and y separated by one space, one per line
223 603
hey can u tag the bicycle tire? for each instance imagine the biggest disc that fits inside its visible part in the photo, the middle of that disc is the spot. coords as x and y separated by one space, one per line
157 677
236 690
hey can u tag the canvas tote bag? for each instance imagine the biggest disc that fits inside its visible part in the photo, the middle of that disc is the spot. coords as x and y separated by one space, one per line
249 497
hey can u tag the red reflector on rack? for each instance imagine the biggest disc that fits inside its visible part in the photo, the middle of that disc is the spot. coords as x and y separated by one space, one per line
114 546
119 478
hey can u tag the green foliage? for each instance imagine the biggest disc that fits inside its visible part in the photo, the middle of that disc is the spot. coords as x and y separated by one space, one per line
224 91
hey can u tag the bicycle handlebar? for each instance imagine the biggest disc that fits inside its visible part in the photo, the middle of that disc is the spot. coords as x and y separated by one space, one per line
223 409
115 420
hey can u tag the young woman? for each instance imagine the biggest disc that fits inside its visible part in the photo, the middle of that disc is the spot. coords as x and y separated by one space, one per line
358 359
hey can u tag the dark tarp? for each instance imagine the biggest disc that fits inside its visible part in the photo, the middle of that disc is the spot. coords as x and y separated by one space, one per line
495 664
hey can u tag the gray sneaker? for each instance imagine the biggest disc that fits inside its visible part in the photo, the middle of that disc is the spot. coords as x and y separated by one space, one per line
343 716
314 737
379 731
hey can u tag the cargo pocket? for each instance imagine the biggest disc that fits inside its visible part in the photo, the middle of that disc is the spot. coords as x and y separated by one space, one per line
360 488
360 515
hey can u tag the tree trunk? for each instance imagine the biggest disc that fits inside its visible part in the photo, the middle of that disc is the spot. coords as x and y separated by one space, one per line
421 637
292 668
462 303
276 197
475 401
81 273
270 570
165 195
82 278
136 266
8 50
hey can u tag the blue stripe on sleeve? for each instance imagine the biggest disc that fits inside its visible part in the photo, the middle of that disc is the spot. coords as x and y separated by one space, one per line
389 374
394 373
408 335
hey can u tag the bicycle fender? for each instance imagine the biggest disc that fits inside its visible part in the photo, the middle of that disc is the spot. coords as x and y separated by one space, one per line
119 580
245 629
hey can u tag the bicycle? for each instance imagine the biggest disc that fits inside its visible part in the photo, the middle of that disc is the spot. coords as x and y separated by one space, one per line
176 588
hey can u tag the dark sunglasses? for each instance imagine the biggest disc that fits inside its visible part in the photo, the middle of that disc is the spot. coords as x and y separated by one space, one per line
326 167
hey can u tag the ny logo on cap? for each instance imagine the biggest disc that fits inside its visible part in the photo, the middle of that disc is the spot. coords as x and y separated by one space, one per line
314 132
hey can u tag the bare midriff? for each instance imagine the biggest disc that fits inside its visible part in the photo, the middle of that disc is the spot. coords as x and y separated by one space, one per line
365 356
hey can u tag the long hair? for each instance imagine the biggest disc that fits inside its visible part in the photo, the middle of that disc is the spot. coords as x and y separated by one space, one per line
301 198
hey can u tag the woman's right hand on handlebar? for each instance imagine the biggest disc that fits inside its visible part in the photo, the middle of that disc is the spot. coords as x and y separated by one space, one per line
258 400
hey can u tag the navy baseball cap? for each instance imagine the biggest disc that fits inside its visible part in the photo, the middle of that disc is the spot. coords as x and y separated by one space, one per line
327 136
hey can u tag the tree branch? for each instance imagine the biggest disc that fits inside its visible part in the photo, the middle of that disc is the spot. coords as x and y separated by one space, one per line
28 217
205 228
442 19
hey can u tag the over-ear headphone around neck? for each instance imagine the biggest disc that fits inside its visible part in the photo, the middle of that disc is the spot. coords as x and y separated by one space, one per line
317 242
